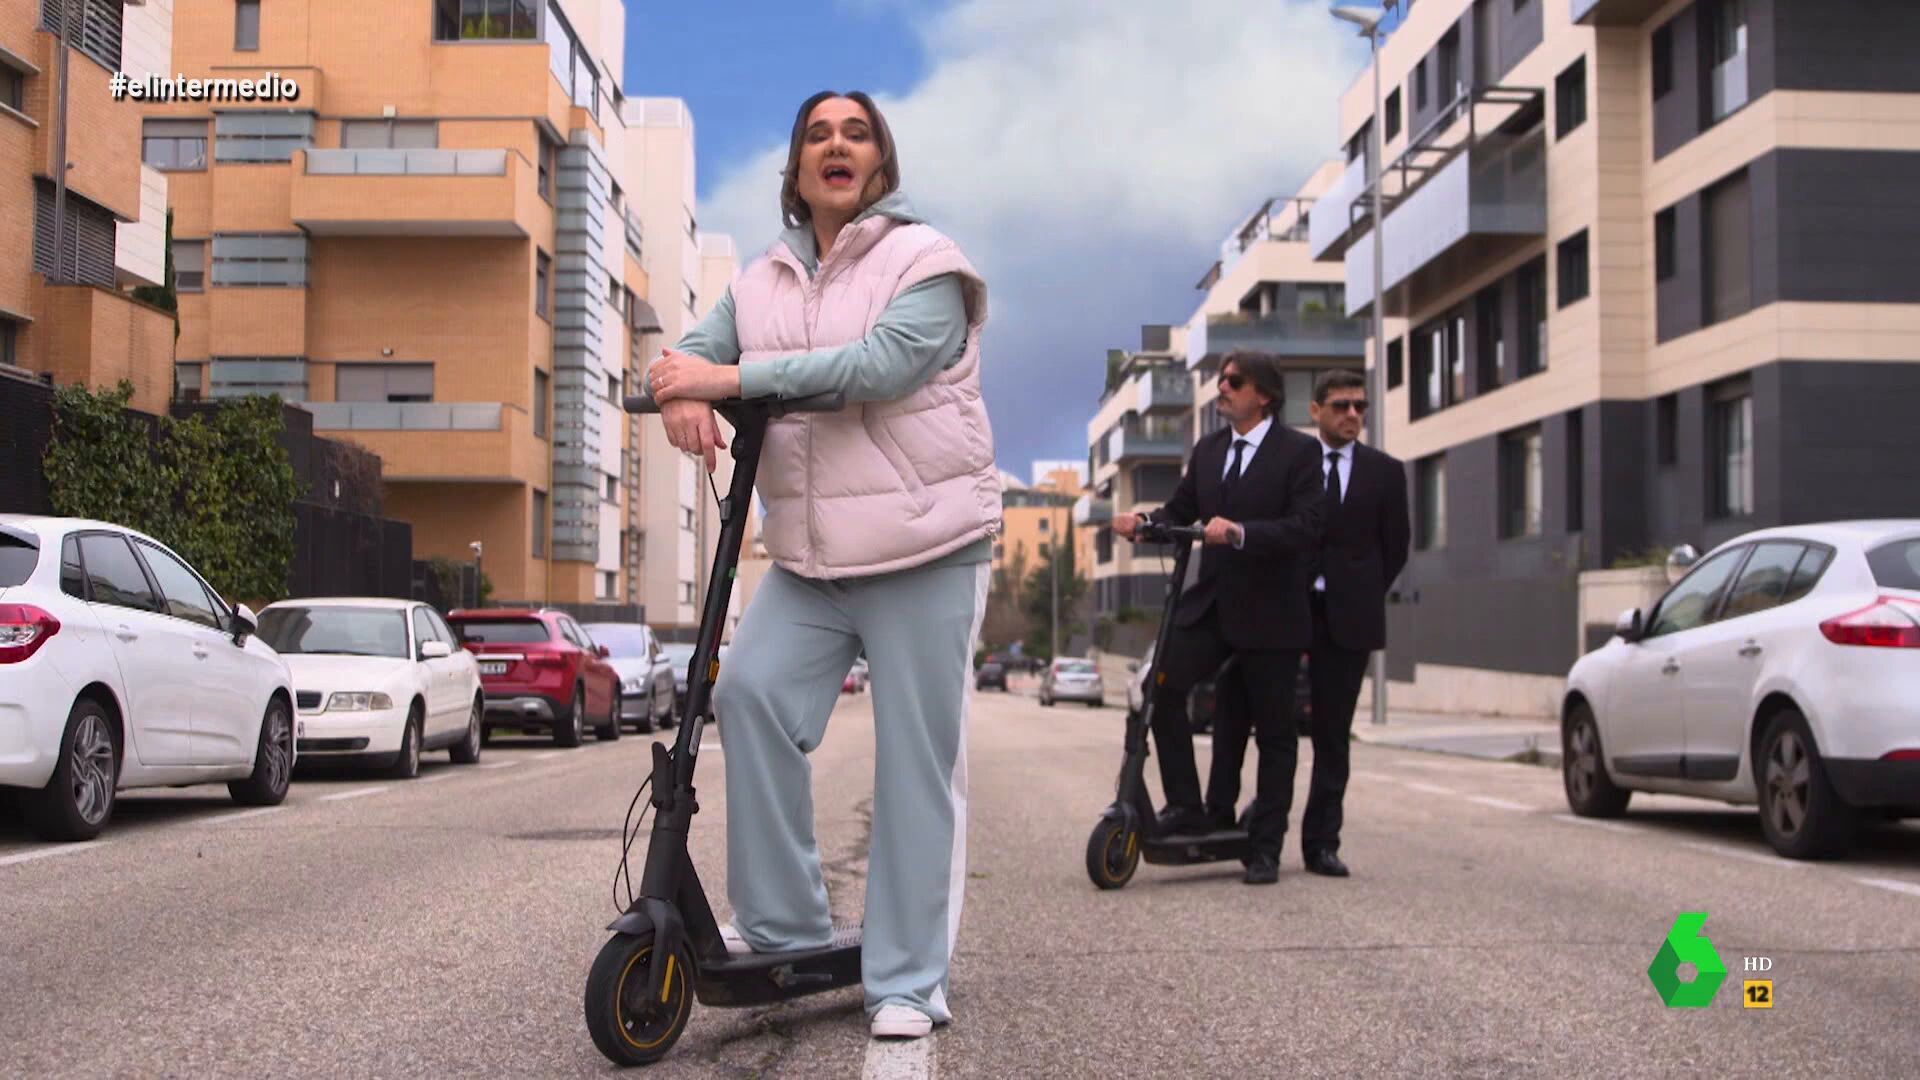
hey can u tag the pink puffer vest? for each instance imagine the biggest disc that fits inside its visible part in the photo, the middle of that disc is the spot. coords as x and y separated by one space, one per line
878 486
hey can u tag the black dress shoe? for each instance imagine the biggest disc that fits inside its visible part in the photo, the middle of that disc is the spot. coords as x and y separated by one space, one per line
1326 863
1185 821
1262 870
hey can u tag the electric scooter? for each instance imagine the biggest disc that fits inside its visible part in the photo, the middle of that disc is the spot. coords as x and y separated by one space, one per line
667 950
1129 829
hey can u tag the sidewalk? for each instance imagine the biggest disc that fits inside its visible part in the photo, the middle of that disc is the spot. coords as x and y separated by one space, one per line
1493 738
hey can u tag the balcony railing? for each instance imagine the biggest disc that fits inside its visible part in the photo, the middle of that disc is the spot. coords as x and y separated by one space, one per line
1285 333
1614 12
404 416
1154 437
634 234
1163 390
1278 219
407 162
1330 227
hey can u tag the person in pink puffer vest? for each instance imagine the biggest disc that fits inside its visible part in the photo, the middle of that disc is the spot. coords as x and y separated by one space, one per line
880 520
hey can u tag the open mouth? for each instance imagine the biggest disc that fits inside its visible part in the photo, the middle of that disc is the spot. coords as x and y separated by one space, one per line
837 176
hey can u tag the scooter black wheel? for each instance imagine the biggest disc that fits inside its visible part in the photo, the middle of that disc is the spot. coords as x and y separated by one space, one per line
630 1026
1113 852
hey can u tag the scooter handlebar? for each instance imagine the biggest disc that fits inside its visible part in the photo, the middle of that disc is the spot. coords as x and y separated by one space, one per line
1153 532
644 403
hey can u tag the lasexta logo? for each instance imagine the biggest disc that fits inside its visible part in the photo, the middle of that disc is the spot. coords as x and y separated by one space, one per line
1687 944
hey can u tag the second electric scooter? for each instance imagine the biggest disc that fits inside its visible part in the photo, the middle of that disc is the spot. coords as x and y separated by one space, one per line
1129 830
666 950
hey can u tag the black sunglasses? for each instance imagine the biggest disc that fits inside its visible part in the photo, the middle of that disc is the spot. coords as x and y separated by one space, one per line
1236 381
1356 405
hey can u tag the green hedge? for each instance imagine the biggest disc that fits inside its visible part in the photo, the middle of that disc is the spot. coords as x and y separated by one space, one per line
220 491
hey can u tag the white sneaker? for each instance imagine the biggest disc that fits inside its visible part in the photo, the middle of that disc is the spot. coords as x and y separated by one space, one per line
736 945
900 1022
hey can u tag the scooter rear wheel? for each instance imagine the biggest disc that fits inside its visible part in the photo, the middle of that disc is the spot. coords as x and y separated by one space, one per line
1113 853
627 1029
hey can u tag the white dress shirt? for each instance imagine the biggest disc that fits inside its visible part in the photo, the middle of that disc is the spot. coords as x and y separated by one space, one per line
1253 439
1346 482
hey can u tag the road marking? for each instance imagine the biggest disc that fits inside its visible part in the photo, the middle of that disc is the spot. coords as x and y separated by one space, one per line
895 1059
548 754
1748 856
1431 789
341 796
50 852
1888 884
435 778
242 815
1500 804
499 765
1610 826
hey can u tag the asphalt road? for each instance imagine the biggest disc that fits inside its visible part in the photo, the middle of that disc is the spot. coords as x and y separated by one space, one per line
444 926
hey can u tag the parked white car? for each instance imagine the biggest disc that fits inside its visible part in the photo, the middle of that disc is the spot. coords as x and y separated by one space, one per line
1782 670
121 668
1072 679
377 680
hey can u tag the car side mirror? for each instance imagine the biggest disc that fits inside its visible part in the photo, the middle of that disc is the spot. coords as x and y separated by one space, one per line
1133 667
435 650
243 623
1679 561
1629 625
602 651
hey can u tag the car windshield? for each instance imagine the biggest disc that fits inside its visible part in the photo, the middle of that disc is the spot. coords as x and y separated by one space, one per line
496 631
619 638
340 631
18 557
680 654
1896 565
1076 667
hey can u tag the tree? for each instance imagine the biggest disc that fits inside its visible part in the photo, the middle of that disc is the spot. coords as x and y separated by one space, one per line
1004 623
1036 599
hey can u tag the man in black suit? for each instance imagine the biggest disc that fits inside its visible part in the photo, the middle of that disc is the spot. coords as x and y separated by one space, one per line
1365 548
1257 487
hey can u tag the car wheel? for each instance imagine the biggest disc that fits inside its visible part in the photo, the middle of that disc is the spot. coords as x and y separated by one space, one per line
78 798
406 764
1583 768
568 730
272 761
610 730
467 750
672 715
1801 813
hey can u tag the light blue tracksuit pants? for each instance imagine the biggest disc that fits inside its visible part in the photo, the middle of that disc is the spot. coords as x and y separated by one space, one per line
775 693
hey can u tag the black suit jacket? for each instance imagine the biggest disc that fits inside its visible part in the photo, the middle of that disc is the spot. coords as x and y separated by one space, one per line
1259 591
1365 547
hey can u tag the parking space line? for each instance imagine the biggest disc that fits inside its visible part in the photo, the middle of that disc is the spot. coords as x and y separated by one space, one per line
342 796
1431 789
896 1060
498 765
550 754
242 815
1500 804
1747 856
1593 823
1891 885
50 852
435 778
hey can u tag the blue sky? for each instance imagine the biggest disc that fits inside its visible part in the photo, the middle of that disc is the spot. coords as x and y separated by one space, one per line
1089 158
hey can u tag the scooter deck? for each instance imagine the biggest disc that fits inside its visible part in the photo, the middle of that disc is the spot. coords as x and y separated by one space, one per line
1181 850
763 978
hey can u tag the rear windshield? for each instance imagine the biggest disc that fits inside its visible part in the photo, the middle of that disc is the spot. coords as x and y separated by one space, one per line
18 557
493 631
337 631
1896 565
627 641
1076 667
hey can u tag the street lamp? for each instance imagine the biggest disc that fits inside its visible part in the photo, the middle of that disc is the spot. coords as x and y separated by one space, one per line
478 549
1369 21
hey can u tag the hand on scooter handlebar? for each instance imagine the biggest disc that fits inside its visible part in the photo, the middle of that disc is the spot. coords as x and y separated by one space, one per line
643 403
1154 532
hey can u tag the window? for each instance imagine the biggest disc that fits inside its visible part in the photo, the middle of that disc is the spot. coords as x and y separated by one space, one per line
1430 502
539 524
1451 86
613 487
86 252
1730 427
569 62
13 88
1814 563
189 265
389 134
383 382
186 381
542 271
1393 114
174 145
546 168
260 135
690 297
1103 546
1894 565
1533 317
9 342
1663 238
1520 483
1573 268
1358 146
1666 429
1691 603
693 227
73 576
185 597
1395 366
241 376
1492 340
1763 582
540 404
609 585
1724 25
1576 471
686 517
486 20
260 259
1420 85
686 592
1570 99
1662 61
114 575
423 631
246 25
1727 211
93 26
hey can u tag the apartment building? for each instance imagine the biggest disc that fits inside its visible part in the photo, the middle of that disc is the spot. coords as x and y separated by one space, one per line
1655 260
1265 293
64 309
1035 516
436 247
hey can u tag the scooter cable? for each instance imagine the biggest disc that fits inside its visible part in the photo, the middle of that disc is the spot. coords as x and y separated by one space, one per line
629 832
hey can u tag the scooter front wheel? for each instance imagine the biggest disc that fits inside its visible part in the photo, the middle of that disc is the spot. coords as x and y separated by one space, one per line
630 1026
1113 852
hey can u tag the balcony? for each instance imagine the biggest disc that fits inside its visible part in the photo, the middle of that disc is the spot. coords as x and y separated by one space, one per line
1163 391
1614 12
1332 225
1151 440
1091 511
1465 193
1278 220
404 416
1283 333
415 193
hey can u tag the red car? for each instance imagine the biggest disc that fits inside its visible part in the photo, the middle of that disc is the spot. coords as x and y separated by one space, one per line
540 670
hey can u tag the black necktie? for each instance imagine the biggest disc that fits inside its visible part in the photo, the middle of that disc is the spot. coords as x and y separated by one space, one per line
1333 476
1233 471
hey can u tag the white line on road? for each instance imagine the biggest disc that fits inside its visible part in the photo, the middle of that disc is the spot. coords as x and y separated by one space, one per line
341 796
49 852
1610 826
436 777
498 765
548 754
889 1059
1431 789
1500 804
242 815
1748 856
1889 884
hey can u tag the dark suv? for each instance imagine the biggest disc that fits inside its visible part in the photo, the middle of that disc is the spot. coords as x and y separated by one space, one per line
992 673
540 671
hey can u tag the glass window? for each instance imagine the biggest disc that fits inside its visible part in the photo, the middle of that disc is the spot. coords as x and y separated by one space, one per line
1520 484
621 639
9 342
73 576
13 89
257 259
494 631
1430 502
540 404
336 629
189 265
186 598
539 524
1763 584
383 382
246 25
1732 424
1727 208
114 575
486 20
441 629
1807 574
260 135
1894 566
1573 268
389 134
1662 61
1691 603
1570 99
1664 254
422 630
174 145
541 272
18 557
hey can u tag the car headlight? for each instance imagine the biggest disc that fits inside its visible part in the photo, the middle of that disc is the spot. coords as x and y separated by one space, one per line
358 701
632 684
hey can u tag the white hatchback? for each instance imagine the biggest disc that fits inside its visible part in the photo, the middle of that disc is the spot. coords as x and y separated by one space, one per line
377 680
121 668
1782 670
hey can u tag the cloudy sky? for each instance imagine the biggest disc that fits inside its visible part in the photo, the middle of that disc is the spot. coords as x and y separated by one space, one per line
1088 156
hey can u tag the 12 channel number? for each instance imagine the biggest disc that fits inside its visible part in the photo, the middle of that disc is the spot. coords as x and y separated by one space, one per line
1759 994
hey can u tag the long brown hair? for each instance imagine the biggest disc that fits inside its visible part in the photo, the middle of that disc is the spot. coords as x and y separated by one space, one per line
794 210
